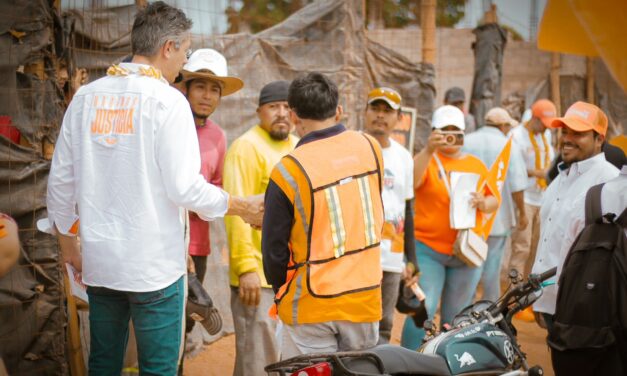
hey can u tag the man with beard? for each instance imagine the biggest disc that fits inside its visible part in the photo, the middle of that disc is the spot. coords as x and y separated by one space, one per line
583 131
397 240
247 168
205 82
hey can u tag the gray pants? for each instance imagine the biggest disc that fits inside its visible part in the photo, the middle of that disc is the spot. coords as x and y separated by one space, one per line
389 296
327 337
255 343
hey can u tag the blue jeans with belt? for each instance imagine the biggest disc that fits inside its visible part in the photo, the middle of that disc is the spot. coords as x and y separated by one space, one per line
445 279
158 322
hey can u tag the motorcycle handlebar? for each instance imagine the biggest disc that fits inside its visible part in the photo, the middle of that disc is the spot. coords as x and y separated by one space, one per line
547 274
532 284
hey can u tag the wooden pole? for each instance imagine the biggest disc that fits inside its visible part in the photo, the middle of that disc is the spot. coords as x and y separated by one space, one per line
427 24
590 79
555 81
555 92
75 352
490 16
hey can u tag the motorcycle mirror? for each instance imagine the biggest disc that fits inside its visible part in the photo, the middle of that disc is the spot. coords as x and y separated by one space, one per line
514 276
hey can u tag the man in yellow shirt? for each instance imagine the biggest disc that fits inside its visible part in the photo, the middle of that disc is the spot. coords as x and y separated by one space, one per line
247 167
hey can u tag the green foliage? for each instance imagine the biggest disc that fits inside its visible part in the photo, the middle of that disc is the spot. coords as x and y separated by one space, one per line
258 15
402 13
262 14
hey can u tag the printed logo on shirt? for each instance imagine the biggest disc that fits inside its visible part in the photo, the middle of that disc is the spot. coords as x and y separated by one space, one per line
388 179
112 117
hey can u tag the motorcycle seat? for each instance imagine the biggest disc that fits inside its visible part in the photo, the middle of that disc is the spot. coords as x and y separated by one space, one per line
398 360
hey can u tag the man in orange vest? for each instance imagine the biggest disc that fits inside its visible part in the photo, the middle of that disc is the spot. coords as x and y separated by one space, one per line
322 228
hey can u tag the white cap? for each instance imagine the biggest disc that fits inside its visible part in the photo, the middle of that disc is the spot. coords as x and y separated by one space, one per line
209 59
209 63
448 115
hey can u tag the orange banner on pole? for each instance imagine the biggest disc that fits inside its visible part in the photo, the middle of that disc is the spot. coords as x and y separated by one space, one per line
495 181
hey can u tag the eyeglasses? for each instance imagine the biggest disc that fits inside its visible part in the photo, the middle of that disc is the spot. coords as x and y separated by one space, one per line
188 52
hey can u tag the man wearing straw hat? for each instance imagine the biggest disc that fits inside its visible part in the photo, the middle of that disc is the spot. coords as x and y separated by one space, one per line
205 81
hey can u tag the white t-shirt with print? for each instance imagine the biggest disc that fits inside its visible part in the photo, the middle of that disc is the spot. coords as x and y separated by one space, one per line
398 187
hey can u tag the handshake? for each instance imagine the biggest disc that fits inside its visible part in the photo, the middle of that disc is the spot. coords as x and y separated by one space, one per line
250 209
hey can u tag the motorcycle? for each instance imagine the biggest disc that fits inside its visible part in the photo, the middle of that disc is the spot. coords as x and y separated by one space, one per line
481 341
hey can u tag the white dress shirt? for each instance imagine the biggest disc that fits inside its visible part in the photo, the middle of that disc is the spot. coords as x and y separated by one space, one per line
562 217
614 194
127 158
520 134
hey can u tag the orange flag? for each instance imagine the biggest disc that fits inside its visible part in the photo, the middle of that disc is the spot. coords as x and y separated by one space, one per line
495 181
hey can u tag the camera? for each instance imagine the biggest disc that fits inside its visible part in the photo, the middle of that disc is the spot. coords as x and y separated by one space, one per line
452 138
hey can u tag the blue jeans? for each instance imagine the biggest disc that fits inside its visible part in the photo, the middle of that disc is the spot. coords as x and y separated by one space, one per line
491 274
158 322
445 278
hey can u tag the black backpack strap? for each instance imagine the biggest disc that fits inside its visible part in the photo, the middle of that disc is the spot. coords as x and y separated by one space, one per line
593 204
622 219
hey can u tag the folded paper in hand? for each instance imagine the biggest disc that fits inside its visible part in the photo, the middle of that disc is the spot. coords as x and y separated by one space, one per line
77 287
462 214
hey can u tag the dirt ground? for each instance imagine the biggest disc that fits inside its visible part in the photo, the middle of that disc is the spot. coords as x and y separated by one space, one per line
218 357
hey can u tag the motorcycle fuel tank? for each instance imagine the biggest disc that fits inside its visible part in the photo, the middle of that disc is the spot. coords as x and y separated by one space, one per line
475 348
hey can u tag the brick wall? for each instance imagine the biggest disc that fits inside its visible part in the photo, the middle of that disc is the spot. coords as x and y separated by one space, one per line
523 68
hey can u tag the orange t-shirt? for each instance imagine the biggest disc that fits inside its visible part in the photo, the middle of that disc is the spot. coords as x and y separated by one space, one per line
432 225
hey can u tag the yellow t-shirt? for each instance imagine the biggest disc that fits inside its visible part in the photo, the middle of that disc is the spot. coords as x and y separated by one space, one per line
247 168
432 224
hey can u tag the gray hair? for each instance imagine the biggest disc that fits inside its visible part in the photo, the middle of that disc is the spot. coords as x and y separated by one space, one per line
155 25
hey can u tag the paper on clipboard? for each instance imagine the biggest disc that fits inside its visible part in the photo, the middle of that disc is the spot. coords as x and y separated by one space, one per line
462 214
77 287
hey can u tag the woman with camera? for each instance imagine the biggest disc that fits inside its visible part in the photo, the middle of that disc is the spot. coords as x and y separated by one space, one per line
446 280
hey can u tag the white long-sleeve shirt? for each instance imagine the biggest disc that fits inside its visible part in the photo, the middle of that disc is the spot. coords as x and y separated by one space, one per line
562 217
127 158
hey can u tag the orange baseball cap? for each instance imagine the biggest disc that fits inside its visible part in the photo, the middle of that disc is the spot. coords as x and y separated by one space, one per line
581 117
544 110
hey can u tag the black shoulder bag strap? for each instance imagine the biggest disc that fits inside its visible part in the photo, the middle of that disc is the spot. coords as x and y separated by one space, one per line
593 204
622 219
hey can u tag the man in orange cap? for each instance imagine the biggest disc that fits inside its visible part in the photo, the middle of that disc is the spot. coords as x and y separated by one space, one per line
583 131
534 140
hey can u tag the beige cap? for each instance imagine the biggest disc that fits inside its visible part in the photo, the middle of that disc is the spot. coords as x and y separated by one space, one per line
499 116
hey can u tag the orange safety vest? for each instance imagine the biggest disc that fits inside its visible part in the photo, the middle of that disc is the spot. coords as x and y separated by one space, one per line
334 271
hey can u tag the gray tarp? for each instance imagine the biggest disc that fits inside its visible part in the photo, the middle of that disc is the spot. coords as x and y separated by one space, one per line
326 36
486 83
32 314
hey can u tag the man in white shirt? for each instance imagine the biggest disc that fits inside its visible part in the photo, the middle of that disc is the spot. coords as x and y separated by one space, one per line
534 141
487 144
397 239
127 158
583 131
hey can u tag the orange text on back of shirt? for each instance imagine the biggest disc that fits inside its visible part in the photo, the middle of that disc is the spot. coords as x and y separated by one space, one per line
114 116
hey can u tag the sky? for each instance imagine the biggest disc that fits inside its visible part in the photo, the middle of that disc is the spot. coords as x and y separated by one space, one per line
513 13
